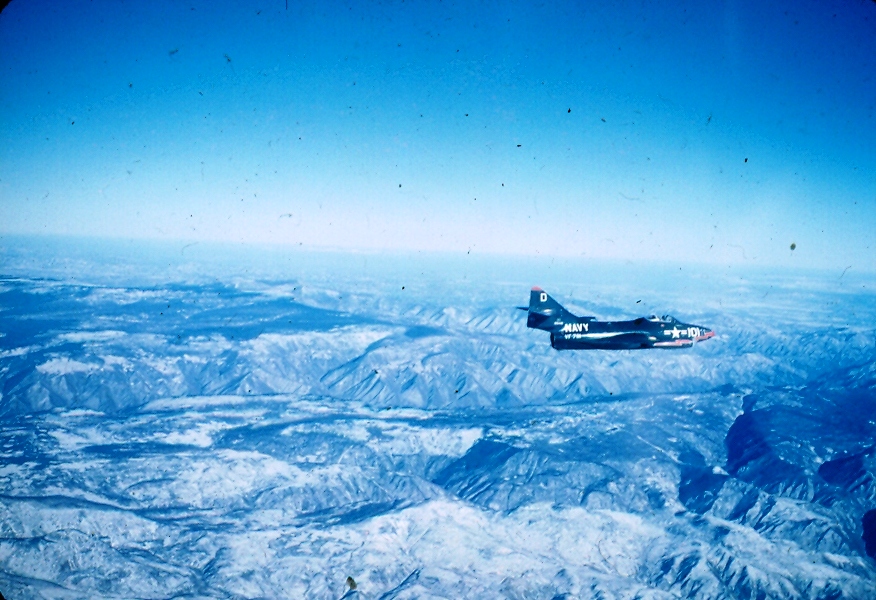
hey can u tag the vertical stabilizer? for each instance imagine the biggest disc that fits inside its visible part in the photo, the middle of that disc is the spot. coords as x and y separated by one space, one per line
546 313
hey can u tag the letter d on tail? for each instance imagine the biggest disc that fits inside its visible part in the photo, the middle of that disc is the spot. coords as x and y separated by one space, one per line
545 312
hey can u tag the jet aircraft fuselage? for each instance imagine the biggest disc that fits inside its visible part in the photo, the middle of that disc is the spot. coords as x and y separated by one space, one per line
569 332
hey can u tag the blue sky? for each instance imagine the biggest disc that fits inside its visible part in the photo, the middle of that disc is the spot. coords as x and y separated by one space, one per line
712 132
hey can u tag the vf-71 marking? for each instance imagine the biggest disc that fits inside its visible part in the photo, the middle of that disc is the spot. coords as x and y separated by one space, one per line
569 332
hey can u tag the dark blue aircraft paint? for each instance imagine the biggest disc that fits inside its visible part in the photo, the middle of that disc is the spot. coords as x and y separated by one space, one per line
869 525
569 332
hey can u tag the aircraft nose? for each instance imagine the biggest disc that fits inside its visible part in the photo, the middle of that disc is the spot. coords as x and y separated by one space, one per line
706 334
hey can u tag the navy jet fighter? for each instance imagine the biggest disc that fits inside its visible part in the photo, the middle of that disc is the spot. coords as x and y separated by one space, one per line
569 332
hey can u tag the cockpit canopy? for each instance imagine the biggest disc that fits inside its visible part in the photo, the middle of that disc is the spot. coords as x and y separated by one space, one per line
664 319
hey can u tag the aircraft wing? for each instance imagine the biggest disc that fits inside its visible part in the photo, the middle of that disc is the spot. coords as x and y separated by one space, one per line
605 341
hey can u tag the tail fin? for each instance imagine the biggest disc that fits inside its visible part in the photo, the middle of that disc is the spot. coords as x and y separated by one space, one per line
546 313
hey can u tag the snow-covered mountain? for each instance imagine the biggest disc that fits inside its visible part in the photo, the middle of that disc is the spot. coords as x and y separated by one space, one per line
262 437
